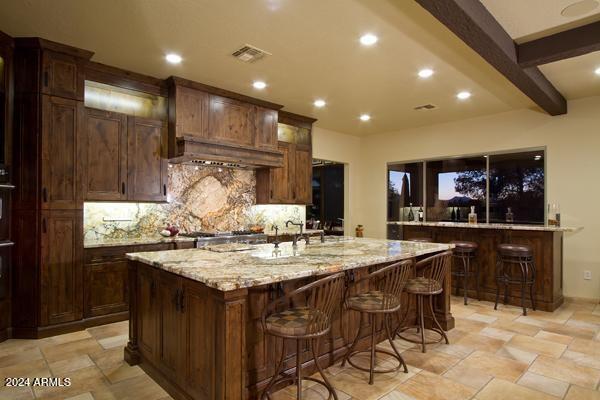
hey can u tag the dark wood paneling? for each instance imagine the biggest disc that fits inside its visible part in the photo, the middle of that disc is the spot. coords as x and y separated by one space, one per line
302 187
231 121
280 187
105 155
170 346
147 160
105 287
62 75
148 312
61 173
61 266
114 76
266 128
191 112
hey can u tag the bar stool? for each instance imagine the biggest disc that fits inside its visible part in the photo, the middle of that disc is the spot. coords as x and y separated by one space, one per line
309 321
428 283
511 256
383 298
421 240
465 251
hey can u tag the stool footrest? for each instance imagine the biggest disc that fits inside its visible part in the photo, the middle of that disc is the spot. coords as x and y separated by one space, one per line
376 371
416 341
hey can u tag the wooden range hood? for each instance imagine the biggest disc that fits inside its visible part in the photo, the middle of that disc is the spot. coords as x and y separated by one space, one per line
208 125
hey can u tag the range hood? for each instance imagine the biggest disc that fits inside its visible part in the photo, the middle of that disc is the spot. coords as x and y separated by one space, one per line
200 151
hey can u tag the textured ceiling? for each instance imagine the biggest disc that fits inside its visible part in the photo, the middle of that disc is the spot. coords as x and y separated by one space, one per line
314 46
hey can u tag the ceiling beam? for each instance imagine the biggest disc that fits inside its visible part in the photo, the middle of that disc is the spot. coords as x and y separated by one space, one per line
474 25
572 43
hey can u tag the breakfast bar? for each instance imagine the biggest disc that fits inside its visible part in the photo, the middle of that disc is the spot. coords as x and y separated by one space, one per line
546 243
195 313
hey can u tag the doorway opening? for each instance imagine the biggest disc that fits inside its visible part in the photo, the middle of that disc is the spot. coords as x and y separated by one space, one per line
327 209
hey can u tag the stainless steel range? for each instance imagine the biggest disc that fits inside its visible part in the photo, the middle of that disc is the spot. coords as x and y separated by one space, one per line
204 239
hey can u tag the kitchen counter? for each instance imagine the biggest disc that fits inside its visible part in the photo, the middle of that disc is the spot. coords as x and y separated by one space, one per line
90 244
515 227
263 264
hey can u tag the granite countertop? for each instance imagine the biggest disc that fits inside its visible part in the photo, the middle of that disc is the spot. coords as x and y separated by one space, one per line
490 226
90 244
263 264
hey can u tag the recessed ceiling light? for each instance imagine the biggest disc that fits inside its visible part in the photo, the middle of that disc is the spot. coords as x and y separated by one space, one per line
463 95
425 73
259 85
597 71
368 39
173 58
365 117
319 103
579 8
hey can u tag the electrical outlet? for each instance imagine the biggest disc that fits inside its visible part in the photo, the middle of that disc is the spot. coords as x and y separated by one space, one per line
587 275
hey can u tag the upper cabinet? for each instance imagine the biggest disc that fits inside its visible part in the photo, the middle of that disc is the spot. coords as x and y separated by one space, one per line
290 183
206 123
62 75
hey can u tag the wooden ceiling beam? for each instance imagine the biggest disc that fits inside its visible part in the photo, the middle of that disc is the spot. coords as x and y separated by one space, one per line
572 43
474 25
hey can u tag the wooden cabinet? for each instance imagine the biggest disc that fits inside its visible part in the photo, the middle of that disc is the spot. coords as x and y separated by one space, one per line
146 160
62 75
170 352
61 267
291 183
147 310
105 154
266 128
231 121
191 109
61 172
125 157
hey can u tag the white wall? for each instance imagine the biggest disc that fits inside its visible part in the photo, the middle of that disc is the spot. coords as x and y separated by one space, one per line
573 171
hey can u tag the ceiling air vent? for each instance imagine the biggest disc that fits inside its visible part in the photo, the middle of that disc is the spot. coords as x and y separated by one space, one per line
426 107
248 53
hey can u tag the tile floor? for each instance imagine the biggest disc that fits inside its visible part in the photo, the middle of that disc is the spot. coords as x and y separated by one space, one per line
493 355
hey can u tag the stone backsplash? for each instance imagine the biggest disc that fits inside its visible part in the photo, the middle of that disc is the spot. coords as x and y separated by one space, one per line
200 198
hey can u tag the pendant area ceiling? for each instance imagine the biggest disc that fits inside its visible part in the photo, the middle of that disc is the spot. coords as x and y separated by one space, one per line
315 54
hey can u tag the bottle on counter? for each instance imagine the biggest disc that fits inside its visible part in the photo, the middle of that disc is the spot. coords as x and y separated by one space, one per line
554 214
457 214
360 231
420 214
509 216
453 215
472 216
411 214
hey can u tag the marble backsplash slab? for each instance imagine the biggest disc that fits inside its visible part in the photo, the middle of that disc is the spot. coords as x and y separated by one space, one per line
200 198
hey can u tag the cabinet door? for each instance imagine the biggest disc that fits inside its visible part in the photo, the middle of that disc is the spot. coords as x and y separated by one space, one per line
105 154
147 304
280 177
199 339
105 287
231 121
266 128
302 182
146 160
62 75
61 180
170 350
191 109
61 266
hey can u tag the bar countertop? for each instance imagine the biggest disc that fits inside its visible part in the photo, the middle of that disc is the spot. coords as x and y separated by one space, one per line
230 268
515 227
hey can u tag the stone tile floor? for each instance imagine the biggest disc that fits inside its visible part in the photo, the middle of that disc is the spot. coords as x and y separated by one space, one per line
493 355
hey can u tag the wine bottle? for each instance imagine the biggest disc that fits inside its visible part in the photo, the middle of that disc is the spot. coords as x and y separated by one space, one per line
458 214
411 214
420 214
509 216
453 215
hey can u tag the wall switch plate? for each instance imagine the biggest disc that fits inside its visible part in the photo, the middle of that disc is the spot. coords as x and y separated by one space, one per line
587 275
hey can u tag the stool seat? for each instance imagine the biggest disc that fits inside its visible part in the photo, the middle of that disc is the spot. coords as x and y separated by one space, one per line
515 250
464 246
421 240
296 321
424 286
374 301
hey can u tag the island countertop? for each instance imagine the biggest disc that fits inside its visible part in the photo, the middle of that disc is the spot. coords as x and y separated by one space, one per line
262 264
515 227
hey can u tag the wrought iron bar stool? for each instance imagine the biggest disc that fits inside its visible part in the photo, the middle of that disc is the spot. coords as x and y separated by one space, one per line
420 240
383 298
307 321
511 256
465 252
429 282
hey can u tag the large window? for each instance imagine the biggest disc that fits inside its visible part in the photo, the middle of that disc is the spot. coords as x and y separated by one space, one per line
507 187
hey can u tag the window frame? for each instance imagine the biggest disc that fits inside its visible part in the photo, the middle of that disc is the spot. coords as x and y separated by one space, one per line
487 155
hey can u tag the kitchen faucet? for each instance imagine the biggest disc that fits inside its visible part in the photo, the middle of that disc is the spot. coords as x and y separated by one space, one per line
297 235
276 241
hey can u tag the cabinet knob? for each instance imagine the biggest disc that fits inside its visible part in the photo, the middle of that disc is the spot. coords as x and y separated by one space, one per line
123 187
44 195
164 190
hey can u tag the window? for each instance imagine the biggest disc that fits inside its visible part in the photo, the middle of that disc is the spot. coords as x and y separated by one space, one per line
517 187
515 182
454 186
405 187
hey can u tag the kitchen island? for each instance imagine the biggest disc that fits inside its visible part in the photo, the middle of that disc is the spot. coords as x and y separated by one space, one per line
195 314
546 242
